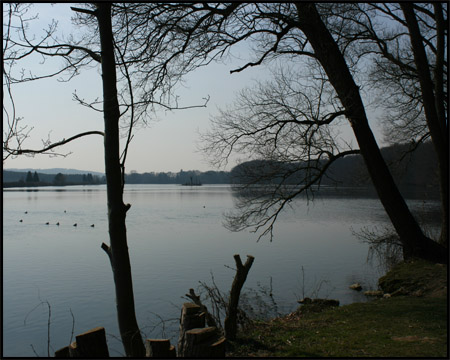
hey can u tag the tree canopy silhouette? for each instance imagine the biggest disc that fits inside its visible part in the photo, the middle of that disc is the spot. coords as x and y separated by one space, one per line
292 118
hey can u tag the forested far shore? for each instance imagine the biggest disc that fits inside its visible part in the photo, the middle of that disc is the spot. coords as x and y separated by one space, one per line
410 169
33 179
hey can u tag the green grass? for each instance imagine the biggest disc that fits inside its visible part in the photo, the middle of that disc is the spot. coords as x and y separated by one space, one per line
403 326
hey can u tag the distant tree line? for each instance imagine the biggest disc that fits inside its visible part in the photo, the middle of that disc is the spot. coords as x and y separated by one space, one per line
415 169
410 169
414 172
20 179
181 177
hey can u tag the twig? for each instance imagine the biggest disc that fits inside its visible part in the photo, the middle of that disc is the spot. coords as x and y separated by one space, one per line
73 327
26 316
35 353
48 323
161 322
48 328
303 282
119 340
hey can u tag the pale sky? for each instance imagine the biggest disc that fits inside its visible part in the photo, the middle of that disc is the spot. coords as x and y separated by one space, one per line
168 144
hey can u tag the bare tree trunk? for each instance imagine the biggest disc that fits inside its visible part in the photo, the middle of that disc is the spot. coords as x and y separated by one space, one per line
415 243
433 101
118 249
230 323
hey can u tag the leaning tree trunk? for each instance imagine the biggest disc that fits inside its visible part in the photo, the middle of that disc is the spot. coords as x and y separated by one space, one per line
118 249
433 99
415 243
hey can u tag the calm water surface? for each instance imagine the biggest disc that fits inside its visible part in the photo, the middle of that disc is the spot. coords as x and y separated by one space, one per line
176 239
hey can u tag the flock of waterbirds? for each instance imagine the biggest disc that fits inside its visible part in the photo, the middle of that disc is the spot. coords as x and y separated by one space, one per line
57 224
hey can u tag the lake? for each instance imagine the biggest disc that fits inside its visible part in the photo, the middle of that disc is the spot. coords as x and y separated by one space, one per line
175 239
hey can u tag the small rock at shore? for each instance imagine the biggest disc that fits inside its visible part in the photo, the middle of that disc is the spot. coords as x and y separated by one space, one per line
356 286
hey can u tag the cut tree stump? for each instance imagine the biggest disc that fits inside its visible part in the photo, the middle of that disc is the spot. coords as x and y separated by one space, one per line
195 340
196 299
159 348
192 317
91 344
205 342
63 352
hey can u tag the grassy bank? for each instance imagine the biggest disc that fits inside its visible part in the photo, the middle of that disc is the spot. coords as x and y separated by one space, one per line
411 324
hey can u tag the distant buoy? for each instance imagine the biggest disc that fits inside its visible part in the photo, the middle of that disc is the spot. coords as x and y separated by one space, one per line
92 225
57 223
20 220
64 210
75 224
26 212
47 223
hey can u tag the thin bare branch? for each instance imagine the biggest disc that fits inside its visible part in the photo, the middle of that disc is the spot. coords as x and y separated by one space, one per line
84 11
52 146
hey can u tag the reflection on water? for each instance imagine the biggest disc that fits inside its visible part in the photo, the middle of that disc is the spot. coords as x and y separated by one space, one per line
176 239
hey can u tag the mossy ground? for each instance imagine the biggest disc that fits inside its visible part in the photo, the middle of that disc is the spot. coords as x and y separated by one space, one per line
417 278
400 326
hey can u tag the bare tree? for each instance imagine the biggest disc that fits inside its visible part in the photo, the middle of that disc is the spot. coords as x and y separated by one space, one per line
414 242
406 46
290 123
433 93
291 31
231 323
119 40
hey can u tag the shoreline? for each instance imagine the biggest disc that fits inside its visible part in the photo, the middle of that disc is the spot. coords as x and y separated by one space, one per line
412 323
